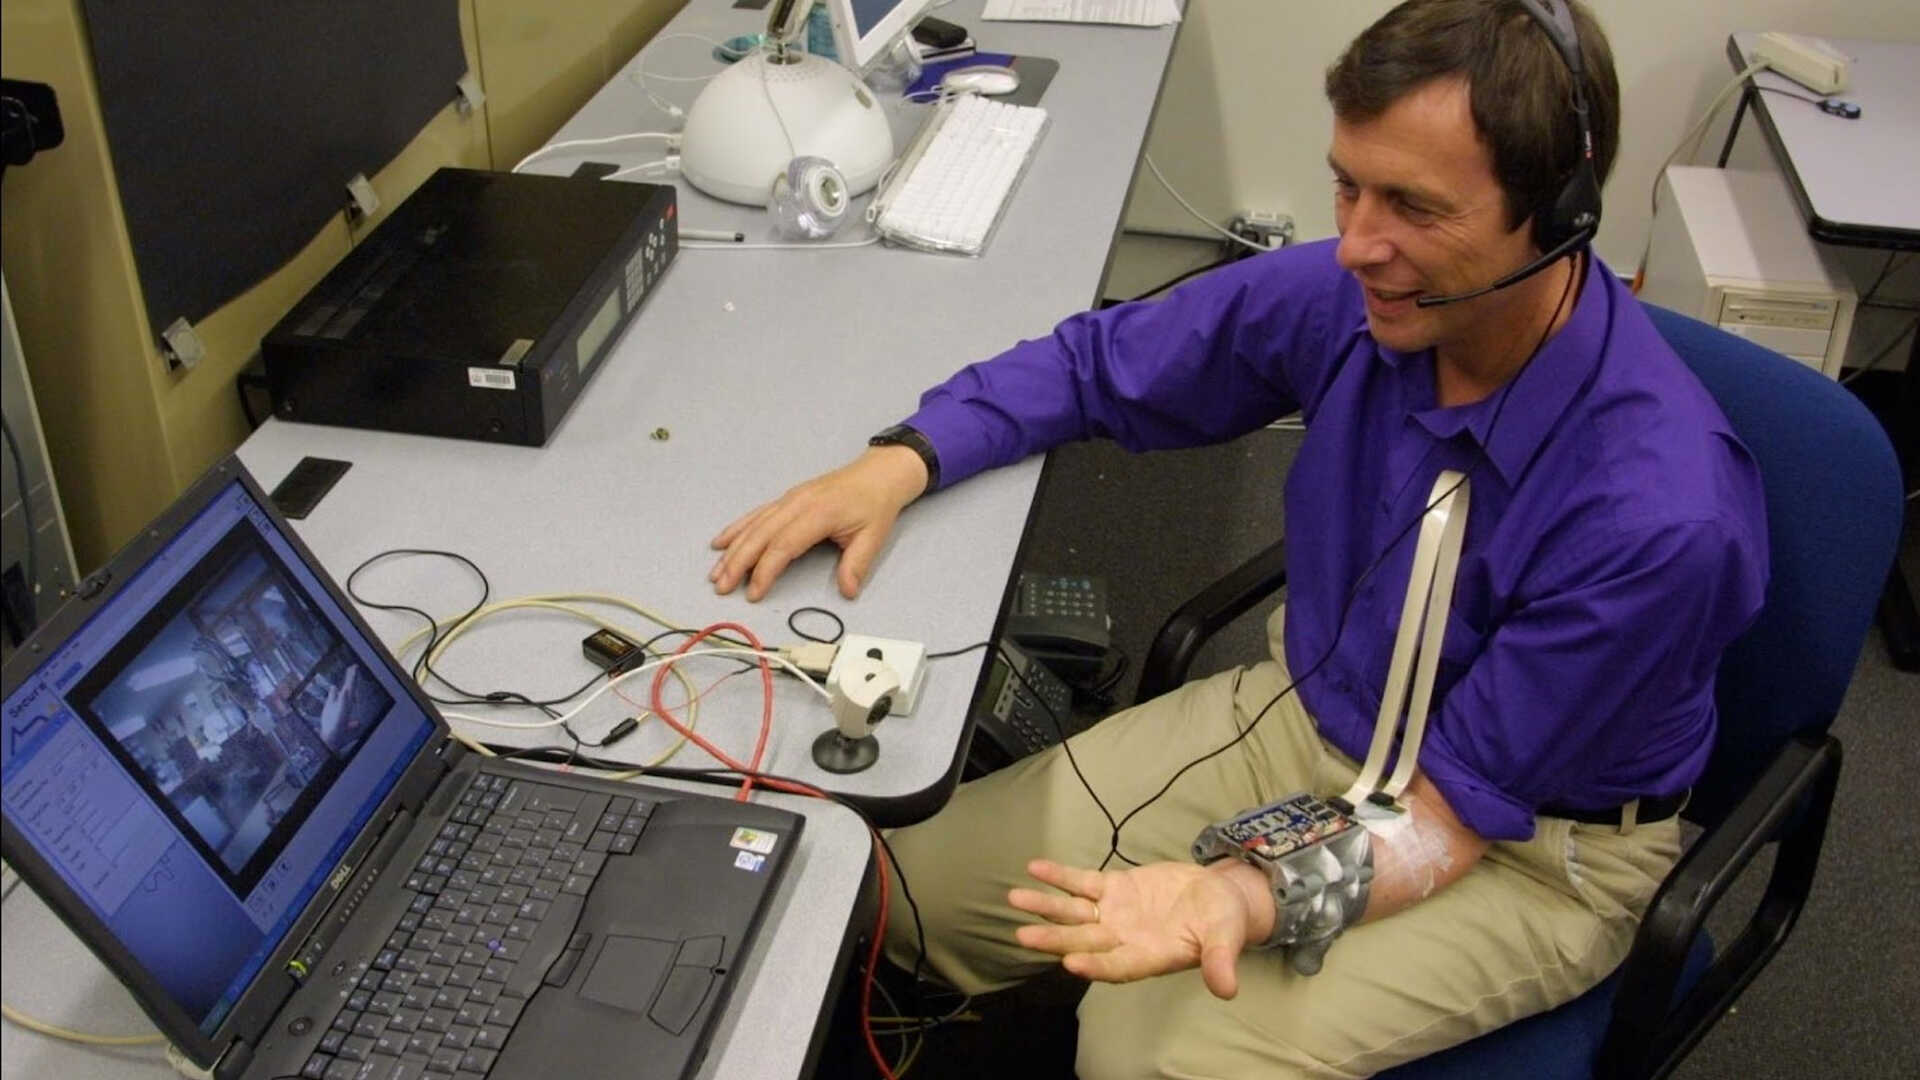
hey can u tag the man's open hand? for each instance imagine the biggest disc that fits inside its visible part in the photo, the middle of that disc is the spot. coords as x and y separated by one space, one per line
1119 926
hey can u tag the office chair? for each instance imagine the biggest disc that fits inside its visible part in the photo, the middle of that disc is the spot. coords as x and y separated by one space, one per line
1834 510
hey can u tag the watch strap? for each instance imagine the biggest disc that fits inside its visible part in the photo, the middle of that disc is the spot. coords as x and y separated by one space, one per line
911 438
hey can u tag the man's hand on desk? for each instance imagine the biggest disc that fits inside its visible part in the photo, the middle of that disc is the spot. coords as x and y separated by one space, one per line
854 506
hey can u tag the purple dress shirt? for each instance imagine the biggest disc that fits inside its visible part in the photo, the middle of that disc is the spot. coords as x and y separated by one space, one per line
1616 540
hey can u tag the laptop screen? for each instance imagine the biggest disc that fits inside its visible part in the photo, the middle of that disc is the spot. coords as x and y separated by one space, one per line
196 759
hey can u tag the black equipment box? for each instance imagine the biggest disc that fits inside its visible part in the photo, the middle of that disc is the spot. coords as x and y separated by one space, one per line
478 309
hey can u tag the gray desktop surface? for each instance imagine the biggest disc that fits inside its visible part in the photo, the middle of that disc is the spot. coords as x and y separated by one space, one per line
748 371
787 987
1854 178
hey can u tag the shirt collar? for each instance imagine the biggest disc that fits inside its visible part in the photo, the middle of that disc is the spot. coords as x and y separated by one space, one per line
1537 397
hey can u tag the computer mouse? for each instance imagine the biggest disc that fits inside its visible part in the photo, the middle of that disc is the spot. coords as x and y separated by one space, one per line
989 79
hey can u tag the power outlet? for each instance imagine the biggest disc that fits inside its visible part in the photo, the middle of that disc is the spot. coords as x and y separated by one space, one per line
908 659
1266 228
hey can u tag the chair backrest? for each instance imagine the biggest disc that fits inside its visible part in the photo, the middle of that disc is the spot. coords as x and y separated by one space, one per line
1834 510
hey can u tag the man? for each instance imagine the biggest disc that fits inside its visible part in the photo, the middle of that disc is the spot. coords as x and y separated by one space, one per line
1615 545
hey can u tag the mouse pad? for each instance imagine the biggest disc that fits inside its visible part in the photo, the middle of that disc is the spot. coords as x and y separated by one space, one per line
1035 72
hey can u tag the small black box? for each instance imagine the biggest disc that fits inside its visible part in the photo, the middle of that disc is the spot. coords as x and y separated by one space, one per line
478 309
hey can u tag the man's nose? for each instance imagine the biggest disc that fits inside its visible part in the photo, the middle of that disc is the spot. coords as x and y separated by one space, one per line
1363 243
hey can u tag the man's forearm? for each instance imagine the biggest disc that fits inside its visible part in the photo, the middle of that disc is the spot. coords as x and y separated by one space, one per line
1412 859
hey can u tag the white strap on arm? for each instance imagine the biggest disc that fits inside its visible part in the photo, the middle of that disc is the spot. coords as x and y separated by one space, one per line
1430 592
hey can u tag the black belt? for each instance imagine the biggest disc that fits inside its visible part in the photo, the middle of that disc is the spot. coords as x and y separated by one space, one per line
1651 810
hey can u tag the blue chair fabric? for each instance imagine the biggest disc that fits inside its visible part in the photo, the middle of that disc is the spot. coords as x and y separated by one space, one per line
1834 510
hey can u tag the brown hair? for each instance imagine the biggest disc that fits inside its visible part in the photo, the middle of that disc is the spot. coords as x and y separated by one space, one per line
1520 90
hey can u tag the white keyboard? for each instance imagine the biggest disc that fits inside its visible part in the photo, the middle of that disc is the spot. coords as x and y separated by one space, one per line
958 174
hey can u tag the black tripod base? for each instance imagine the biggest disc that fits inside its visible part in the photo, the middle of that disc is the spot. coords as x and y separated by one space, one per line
836 753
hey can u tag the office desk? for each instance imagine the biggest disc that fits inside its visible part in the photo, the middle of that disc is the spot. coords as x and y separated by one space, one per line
772 1026
746 372
1853 182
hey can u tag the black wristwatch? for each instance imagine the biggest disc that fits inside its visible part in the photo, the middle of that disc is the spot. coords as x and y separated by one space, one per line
902 435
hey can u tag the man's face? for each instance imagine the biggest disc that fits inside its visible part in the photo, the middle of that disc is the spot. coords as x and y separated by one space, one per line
1420 212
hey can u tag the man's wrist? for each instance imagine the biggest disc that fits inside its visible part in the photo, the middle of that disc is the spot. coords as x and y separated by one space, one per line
912 439
904 474
1257 892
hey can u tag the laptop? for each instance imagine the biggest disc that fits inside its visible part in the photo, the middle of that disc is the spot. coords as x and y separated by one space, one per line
219 778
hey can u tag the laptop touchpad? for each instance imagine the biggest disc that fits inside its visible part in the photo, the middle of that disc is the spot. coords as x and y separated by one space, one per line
628 971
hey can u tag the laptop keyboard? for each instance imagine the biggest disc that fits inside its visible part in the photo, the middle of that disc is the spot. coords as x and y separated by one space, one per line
495 901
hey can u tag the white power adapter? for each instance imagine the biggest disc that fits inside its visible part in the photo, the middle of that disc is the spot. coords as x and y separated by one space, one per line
1808 61
908 659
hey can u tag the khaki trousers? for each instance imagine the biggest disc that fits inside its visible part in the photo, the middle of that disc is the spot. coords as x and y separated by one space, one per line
1531 926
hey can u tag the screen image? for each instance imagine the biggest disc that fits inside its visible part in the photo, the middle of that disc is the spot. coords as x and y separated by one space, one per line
235 707
195 761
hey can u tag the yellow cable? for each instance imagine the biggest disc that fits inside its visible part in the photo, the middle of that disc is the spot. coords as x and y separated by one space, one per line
70 1035
564 602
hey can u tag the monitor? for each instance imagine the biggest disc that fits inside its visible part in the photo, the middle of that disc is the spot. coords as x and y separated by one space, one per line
863 30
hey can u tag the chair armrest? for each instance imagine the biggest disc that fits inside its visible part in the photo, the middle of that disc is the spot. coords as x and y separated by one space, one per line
1181 636
1650 1031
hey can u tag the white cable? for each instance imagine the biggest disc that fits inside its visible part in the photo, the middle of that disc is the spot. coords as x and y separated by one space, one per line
1700 129
557 721
669 164
825 244
68 1034
640 75
672 138
557 602
1197 215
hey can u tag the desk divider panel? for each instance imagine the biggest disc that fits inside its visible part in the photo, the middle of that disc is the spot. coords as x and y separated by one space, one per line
235 126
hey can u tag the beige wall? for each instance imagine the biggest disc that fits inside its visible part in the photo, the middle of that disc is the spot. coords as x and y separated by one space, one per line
125 434
1243 123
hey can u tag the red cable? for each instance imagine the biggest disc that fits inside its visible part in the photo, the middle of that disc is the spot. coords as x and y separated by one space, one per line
766 709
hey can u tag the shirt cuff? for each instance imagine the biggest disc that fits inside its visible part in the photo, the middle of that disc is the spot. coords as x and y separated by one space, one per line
947 426
1480 806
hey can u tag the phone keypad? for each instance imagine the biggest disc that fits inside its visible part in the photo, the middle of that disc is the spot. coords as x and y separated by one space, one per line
1070 597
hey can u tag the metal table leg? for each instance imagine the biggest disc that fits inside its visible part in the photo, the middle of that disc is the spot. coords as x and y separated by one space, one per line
1899 622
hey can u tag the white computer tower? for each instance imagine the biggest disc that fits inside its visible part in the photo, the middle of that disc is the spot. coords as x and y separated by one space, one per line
1730 248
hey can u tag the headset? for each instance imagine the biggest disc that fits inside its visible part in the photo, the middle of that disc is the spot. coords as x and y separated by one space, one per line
1573 217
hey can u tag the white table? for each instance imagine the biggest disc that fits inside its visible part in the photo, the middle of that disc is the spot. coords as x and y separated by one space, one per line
758 369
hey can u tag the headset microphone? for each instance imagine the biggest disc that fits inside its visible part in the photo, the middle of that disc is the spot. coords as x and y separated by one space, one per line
1559 252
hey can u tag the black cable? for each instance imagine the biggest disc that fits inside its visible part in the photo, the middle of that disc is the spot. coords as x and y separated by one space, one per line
839 625
434 635
31 615
1784 92
958 652
1346 612
1060 727
1883 353
1886 269
424 665
1170 283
